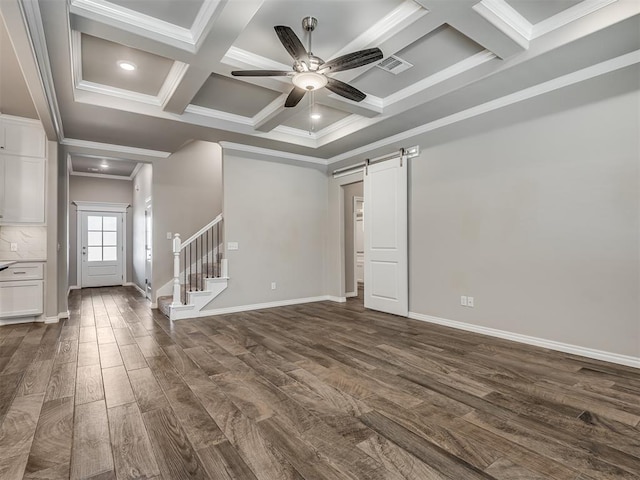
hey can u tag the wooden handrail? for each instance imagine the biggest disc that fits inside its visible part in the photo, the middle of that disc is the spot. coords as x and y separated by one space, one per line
192 238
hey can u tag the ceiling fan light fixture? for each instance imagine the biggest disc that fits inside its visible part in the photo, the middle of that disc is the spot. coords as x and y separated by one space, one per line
309 80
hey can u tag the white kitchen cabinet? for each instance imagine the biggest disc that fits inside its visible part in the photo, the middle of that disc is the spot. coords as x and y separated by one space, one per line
22 290
23 193
21 136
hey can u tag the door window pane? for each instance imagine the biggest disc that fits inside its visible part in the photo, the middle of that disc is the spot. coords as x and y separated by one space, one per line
109 238
110 224
110 254
94 222
94 254
94 238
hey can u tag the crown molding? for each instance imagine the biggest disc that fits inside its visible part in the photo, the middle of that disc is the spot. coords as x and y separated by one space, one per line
120 93
238 147
593 71
169 86
237 57
100 175
403 15
509 21
71 142
32 122
439 77
35 33
172 82
218 114
135 170
506 19
101 206
568 16
147 26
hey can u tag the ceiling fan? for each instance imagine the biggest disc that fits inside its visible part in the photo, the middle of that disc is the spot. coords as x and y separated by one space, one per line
310 72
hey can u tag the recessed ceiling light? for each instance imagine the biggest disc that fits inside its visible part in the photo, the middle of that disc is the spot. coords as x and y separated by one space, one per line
315 116
128 66
104 165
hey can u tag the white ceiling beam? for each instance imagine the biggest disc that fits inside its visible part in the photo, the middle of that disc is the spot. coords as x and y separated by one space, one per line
461 16
223 32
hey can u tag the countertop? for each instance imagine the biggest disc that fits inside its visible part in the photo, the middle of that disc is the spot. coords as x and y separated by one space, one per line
4 264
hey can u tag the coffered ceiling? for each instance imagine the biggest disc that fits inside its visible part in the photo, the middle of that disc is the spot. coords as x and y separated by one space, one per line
466 57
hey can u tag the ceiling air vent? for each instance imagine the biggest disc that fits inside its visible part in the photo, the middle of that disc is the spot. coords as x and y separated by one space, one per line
395 65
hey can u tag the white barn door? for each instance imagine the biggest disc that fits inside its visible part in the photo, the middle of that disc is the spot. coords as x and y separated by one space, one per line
386 270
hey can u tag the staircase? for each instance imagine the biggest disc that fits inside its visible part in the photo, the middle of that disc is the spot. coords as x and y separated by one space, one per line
200 272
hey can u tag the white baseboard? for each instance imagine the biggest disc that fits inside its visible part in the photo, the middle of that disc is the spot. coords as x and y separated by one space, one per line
538 342
331 298
260 306
62 315
53 319
134 285
351 294
154 305
19 320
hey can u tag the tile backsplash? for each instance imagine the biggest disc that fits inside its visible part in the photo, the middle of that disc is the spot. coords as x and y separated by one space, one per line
32 243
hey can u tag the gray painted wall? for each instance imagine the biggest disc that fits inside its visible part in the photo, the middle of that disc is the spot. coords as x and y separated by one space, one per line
141 191
539 221
350 191
63 231
187 194
277 213
51 271
15 98
92 189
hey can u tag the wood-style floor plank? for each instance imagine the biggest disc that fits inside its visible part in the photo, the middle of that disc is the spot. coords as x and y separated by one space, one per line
133 456
314 391
91 453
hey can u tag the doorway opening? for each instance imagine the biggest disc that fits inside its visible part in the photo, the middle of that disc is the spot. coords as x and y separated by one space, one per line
101 237
353 195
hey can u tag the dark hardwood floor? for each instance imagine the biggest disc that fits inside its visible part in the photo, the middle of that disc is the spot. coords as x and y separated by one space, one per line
315 391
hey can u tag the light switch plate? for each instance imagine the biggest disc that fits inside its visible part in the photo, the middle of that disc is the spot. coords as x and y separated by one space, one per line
232 245
14 247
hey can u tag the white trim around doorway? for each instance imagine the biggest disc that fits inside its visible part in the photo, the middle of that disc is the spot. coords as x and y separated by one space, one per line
101 207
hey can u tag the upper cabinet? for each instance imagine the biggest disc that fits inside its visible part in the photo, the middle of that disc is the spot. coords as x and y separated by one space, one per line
24 137
23 167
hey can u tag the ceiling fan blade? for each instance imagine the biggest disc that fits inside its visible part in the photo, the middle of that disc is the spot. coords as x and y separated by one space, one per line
291 42
294 97
260 73
352 60
345 90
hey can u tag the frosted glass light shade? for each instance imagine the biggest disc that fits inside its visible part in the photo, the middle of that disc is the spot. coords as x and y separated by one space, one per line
309 80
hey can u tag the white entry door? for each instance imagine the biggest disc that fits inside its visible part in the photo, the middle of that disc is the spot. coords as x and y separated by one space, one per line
102 249
386 283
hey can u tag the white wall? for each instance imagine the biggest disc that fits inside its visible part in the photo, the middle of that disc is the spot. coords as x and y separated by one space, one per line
187 194
93 189
141 191
539 221
277 213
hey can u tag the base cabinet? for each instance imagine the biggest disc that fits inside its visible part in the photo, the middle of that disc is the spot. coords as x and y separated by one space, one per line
22 290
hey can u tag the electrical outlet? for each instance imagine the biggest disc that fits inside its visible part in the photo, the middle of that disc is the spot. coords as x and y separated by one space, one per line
14 247
463 301
169 237
470 302
273 285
